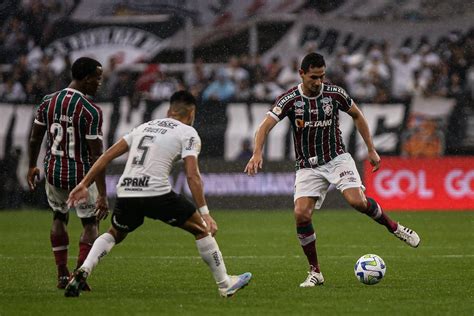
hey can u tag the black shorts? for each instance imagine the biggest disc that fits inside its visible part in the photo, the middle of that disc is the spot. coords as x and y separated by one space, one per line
171 208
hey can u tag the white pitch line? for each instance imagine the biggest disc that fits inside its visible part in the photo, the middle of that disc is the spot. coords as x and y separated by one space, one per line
112 257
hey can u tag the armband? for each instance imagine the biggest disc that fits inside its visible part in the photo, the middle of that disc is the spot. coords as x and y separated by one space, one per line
203 210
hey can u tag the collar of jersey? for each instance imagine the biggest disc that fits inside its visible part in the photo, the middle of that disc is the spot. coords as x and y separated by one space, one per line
319 94
74 90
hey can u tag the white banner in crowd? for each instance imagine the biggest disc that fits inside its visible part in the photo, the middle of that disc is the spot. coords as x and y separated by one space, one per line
329 33
127 44
385 122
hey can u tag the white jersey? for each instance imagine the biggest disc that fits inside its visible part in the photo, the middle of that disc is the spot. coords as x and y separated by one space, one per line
153 148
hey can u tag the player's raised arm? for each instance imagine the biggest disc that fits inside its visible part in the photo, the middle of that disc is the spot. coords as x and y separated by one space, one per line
363 128
36 138
79 193
256 161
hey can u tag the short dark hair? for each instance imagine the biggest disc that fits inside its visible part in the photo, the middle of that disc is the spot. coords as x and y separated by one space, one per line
83 67
181 102
312 60
183 97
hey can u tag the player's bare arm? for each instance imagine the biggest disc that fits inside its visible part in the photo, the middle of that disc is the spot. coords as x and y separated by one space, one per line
256 161
95 149
36 138
193 176
80 193
363 128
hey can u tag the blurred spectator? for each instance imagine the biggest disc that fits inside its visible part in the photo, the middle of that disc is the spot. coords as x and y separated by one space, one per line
221 89
246 150
64 77
14 39
122 88
12 91
403 69
423 138
234 71
364 90
289 76
274 68
198 75
160 91
267 90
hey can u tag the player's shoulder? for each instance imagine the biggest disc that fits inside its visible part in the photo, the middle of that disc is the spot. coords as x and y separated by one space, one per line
329 88
87 103
49 97
287 96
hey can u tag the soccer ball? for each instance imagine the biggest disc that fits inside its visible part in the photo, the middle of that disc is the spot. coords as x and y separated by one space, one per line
370 269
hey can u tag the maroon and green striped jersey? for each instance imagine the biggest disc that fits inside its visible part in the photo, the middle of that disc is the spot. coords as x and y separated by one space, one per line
70 119
315 123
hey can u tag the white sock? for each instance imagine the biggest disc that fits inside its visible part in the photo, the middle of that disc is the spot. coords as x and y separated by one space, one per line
210 253
102 246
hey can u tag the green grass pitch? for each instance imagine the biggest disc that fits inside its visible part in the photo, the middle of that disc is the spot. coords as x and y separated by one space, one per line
157 270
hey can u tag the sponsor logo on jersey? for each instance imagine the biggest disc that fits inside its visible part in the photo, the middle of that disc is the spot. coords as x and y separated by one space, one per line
136 182
338 90
299 111
191 144
277 110
327 105
285 99
299 104
166 124
301 123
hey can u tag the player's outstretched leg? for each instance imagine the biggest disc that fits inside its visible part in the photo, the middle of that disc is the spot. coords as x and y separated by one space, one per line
236 282
77 283
228 285
407 235
100 248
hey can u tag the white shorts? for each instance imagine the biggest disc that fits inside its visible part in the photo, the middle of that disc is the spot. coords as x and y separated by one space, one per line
341 171
57 198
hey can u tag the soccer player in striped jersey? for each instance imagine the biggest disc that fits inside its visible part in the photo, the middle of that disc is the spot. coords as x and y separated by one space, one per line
144 191
321 159
73 124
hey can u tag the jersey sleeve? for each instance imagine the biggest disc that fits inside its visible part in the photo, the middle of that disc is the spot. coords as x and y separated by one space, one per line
94 123
128 138
280 109
345 101
190 143
40 116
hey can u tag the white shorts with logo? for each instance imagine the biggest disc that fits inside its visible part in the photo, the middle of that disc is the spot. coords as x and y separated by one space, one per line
57 198
314 182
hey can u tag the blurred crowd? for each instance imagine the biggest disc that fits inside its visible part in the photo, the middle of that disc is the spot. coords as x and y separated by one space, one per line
379 74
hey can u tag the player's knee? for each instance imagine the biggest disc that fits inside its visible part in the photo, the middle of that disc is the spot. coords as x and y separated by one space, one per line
119 236
196 226
302 215
358 203
62 217
90 229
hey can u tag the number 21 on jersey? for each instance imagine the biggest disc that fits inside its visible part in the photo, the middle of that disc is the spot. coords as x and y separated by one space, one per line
58 133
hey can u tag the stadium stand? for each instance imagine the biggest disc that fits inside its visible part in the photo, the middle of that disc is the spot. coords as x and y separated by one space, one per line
378 72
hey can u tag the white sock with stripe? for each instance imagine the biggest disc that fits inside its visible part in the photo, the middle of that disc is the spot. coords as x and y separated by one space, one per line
102 246
210 253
